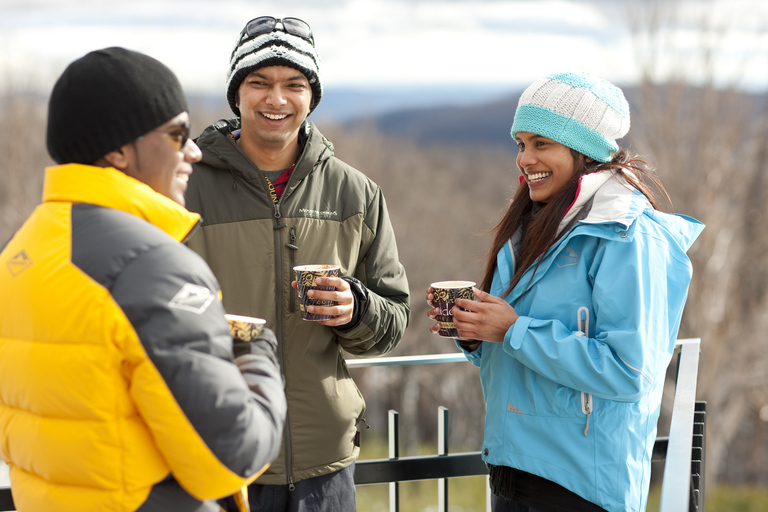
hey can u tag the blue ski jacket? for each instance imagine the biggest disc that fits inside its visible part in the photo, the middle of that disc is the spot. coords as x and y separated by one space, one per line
573 393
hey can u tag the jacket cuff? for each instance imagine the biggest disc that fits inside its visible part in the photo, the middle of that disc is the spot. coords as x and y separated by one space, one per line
513 340
360 293
468 345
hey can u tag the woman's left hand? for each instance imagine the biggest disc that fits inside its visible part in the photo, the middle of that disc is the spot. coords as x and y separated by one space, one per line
487 318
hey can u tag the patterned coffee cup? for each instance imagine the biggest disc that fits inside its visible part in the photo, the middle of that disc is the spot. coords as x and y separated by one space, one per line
306 276
445 294
245 328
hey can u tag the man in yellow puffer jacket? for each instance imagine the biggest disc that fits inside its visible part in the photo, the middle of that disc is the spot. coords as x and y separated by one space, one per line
118 384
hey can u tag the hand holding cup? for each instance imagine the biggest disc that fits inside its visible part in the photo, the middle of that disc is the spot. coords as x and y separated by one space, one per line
444 295
244 330
483 317
323 296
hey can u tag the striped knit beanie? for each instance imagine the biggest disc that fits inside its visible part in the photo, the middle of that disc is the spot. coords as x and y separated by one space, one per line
107 99
577 110
276 48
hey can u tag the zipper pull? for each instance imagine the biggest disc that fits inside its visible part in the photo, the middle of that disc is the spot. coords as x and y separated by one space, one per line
292 236
278 223
291 487
586 408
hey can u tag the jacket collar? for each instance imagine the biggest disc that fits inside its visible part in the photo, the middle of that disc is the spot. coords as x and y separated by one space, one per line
110 188
602 197
220 151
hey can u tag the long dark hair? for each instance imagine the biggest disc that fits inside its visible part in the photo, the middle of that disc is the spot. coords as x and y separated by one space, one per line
540 230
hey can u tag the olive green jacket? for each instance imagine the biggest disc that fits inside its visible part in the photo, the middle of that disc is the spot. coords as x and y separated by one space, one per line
329 213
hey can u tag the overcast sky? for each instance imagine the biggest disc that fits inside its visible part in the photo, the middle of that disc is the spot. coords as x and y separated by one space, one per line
364 42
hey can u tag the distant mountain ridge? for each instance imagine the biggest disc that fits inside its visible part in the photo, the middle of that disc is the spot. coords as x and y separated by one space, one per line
454 115
348 103
485 124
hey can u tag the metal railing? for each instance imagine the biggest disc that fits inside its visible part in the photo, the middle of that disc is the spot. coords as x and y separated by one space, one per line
682 451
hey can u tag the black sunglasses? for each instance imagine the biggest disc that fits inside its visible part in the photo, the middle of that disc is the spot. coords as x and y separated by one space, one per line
267 24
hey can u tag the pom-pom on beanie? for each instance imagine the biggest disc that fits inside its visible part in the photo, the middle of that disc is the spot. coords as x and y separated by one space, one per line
276 48
577 110
105 100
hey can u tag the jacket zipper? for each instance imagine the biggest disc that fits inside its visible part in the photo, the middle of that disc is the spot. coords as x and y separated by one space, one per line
291 263
279 312
586 398
279 332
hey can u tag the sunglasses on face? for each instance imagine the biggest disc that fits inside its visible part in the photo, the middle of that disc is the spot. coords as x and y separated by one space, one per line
180 135
267 24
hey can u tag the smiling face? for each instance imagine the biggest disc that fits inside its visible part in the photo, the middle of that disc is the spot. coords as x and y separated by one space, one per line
274 102
160 162
546 165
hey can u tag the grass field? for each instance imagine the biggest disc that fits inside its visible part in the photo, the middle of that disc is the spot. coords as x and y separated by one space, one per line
464 495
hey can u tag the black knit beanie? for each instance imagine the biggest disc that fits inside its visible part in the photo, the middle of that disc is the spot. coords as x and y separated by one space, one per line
106 99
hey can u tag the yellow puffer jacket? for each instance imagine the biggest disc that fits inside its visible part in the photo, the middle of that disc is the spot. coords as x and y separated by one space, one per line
117 387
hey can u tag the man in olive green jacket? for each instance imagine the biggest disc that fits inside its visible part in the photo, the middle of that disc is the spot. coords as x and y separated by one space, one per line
273 195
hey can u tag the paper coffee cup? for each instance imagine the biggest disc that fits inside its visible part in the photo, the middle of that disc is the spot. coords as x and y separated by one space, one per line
306 276
444 295
245 328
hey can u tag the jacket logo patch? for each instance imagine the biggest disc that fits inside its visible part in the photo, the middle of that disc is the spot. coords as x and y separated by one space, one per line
567 258
192 298
512 408
19 263
315 214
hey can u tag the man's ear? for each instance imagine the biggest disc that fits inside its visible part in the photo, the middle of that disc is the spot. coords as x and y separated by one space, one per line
120 158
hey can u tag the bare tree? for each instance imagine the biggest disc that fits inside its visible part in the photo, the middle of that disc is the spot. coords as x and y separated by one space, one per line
443 203
708 138
22 144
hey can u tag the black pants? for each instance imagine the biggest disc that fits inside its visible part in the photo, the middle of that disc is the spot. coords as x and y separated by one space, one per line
333 492
499 504
518 491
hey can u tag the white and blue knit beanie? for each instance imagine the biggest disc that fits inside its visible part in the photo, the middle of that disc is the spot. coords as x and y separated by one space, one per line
578 110
276 48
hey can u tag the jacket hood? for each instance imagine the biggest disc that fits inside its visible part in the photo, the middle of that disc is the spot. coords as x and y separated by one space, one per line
221 151
606 197
110 188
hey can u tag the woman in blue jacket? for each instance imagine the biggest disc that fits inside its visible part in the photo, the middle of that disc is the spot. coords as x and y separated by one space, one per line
579 310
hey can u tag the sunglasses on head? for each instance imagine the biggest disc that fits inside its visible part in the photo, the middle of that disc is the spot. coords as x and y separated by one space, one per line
267 24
